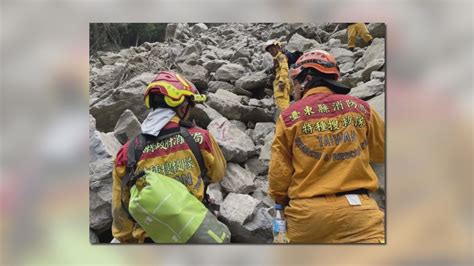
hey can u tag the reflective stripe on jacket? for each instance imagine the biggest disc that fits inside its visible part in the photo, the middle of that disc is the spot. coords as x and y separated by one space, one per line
323 144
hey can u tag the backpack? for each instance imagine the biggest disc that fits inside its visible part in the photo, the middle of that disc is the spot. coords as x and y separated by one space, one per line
163 206
292 57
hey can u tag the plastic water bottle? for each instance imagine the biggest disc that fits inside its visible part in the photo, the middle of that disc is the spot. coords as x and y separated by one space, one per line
279 225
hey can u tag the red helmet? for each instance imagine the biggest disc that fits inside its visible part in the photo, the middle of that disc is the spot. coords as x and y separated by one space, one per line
320 60
174 87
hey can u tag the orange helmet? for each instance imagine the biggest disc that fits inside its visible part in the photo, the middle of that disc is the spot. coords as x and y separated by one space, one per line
320 60
175 89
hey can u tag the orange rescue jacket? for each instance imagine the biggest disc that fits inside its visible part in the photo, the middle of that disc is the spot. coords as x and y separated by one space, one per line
323 144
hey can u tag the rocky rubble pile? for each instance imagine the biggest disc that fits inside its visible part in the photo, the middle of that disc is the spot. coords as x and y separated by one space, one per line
225 61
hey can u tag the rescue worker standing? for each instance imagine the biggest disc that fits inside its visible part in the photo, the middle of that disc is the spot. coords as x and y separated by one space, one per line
171 97
320 158
281 84
357 29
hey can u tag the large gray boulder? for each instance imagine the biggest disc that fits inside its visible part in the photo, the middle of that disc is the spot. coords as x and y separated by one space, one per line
196 74
278 32
230 72
213 65
216 85
375 51
377 30
261 131
175 31
226 103
300 43
261 195
256 166
102 150
127 127
353 79
266 103
380 75
342 55
374 65
203 115
198 29
110 58
334 43
103 79
170 31
243 52
369 89
241 92
224 54
103 145
208 55
100 194
247 222
229 105
193 48
235 144
378 103
239 124
238 179
236 211
261 182
267 61
259 229
107 110
346 68
252 81
214 192
266 150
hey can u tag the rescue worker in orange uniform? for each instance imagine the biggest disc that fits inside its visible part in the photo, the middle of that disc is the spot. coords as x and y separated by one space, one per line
357 29
281 84
171 97
320 158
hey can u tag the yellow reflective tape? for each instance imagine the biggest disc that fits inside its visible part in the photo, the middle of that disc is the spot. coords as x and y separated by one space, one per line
173 103
171 90
215 237
183 81
199 98
147 101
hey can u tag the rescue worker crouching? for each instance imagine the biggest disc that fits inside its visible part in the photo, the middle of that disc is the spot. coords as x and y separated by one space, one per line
171 98
281 84
320 158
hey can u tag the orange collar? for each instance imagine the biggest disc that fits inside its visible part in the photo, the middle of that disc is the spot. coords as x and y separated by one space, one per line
320 89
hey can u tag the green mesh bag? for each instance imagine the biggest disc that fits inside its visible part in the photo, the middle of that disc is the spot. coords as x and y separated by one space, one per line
169 213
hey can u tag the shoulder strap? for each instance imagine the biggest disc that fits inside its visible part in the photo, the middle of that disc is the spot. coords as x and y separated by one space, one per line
198 155
135 150
196 152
